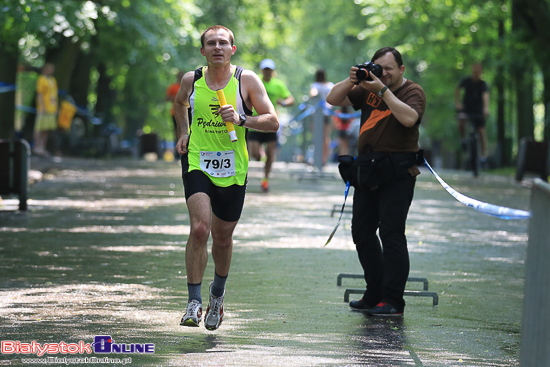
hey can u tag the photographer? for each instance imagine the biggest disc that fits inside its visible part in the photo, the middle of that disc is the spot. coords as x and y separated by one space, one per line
391 110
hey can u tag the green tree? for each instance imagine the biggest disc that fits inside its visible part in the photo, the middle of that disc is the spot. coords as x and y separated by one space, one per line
79 37
17 20
116 57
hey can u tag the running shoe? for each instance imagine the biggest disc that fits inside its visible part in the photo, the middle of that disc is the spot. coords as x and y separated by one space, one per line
265 185
193 314
384 309
214 311
360 305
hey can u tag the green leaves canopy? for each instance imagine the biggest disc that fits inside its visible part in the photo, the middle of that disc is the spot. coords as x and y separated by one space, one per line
143 43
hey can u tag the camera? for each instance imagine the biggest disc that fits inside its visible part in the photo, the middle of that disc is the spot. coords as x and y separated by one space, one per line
365 69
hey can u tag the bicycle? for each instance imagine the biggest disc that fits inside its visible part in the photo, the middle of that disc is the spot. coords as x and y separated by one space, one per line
472 141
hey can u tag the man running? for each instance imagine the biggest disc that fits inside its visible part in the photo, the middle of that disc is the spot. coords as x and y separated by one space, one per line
214 169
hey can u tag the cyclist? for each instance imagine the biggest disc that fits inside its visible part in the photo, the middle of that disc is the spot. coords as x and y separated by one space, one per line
474 106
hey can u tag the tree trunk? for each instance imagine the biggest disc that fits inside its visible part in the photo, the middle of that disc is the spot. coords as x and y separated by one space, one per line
64 57
537 20
105 97
523 72
135 108
8 75
504 148
524 98
80 84
546 106
80 81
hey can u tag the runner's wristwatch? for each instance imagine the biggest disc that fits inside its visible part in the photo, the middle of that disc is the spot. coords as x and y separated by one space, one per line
242 119
382 91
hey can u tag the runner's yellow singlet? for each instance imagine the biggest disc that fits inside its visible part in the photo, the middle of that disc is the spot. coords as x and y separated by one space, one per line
210 148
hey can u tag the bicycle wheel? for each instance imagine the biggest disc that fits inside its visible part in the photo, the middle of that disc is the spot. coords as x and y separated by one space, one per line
474 160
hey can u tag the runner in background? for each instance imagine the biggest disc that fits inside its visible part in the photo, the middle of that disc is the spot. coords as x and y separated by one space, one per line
342 124
279 95
171 92
46 106
321 88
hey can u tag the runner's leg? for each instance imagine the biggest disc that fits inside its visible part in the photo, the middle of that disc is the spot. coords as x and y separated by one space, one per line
254 149
196 252
222 244
270 150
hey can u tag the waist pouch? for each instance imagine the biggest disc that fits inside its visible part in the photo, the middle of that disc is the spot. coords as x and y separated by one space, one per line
371 170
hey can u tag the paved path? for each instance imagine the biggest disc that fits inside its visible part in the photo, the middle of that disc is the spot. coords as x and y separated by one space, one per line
101 252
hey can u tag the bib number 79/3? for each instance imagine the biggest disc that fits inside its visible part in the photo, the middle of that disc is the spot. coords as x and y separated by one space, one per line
218 164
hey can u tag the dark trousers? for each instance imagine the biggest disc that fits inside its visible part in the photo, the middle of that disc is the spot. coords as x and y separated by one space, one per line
386 266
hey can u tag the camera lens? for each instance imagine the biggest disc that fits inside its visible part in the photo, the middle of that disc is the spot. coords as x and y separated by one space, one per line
376 70
361 74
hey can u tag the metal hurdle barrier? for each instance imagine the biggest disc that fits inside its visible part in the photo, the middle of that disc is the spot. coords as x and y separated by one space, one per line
423 293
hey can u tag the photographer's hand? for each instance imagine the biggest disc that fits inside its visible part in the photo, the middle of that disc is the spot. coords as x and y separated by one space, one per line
373 86
338 95
353 75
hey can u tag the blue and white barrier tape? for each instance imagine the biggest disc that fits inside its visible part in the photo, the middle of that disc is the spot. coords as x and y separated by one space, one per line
485 208
82 111
306 111
344 116
5 87
26 109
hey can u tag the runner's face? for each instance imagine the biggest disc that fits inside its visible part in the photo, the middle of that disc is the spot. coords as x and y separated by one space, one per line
392 75
48 69
217 47
267 74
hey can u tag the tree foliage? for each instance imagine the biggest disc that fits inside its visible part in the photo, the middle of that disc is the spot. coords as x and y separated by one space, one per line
128 52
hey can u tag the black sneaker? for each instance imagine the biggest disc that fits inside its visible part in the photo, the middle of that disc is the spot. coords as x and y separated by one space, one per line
384 309
360 305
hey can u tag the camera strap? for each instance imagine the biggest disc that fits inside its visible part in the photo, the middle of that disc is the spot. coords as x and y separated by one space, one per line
341 212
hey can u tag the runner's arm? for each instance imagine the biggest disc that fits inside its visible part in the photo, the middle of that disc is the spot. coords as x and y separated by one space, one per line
255 95
181 106
458 104
286 102
485 97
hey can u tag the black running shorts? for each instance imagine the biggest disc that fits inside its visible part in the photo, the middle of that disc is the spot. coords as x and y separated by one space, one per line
227 202
261 137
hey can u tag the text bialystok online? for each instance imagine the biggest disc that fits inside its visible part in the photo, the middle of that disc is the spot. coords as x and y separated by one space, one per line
102 344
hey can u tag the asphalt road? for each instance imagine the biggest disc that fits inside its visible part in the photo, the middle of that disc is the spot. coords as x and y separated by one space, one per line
100 252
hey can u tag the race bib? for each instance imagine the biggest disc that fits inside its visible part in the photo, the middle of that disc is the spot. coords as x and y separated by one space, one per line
218 164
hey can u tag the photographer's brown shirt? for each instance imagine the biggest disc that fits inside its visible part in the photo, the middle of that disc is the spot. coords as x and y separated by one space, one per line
380 130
